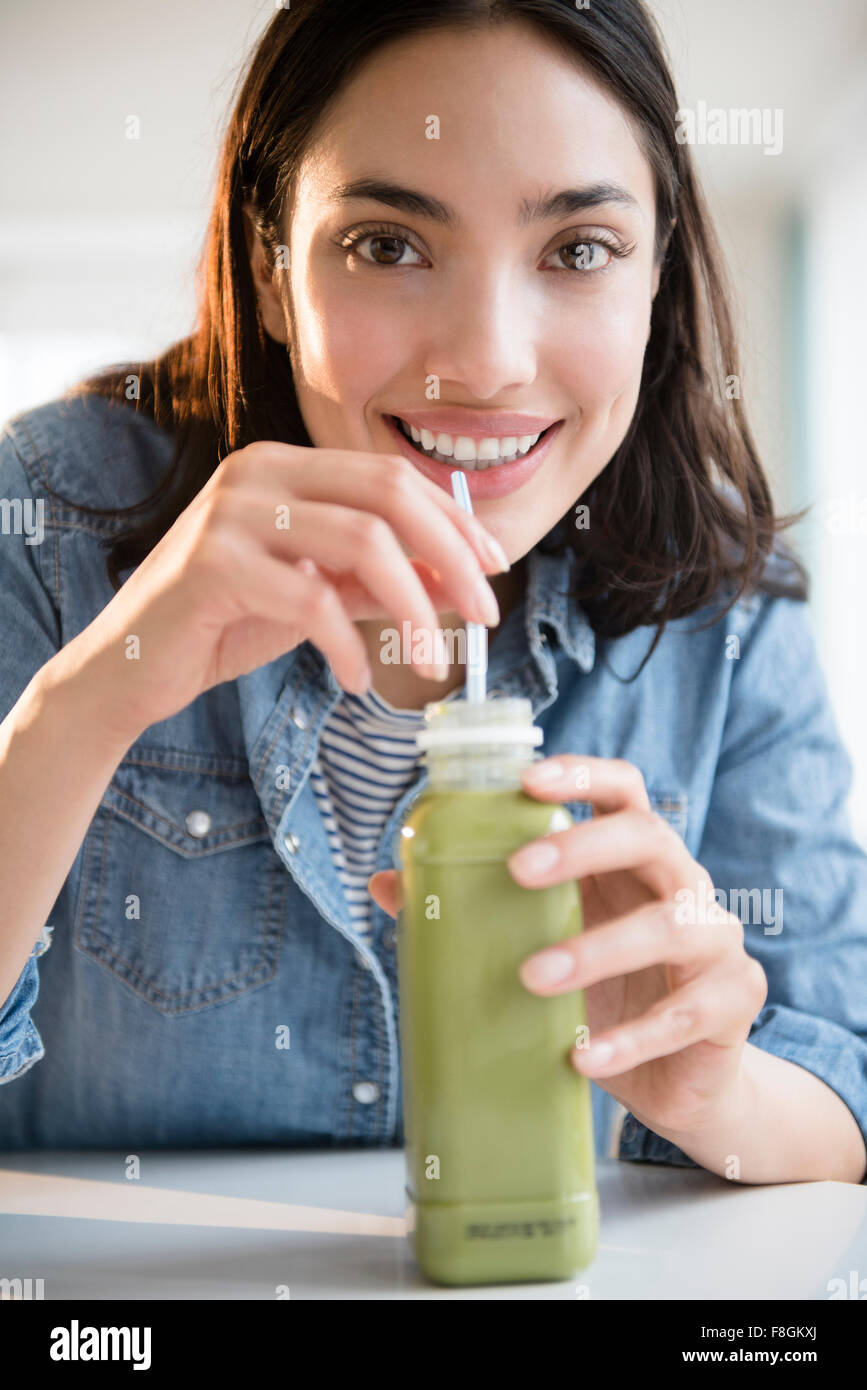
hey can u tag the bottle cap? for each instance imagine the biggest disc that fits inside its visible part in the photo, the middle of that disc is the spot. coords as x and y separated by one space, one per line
463 723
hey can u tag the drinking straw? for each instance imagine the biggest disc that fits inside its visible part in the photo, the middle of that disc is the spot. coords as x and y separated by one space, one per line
477 633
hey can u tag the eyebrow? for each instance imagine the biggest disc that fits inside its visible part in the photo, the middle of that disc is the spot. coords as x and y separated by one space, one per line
562 204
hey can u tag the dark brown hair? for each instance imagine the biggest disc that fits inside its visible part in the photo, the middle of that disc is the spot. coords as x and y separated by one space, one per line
682 513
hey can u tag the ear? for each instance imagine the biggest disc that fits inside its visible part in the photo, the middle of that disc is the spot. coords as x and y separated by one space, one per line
270 303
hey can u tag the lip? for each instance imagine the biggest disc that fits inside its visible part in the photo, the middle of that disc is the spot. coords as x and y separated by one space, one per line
490 482
477 424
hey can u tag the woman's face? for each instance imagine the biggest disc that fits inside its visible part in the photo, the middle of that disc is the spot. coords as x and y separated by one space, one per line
464 300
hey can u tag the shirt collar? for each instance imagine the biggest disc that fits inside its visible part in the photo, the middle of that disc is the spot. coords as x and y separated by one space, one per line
550 578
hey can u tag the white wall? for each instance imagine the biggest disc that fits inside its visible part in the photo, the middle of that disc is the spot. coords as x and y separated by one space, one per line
99 233
836 535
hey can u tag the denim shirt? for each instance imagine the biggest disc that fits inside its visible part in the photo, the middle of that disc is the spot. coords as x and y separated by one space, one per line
199 981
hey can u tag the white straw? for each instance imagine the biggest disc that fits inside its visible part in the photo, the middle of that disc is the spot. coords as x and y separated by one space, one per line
477 633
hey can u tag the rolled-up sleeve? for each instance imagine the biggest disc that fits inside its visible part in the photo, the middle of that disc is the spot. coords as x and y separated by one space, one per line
778 841
30 635
20 1043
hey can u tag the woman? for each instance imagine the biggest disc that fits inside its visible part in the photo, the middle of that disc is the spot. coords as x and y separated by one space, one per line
443 232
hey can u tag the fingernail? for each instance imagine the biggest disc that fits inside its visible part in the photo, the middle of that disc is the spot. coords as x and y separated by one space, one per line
546 771
535 859
548 968
600 1053
493 550
487 602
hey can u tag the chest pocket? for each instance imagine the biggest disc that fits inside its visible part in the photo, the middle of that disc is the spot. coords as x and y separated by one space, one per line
671 805
182 894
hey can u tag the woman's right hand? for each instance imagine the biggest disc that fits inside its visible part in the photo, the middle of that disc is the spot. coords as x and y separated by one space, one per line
283 544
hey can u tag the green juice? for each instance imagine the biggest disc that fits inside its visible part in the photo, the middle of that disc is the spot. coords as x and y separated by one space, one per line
498 1124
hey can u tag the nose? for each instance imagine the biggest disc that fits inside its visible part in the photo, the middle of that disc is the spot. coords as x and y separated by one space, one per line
484 335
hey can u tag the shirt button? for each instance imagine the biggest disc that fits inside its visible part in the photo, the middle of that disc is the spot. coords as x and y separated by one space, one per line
291 842
198 823
299 718
388 938
628 1128
365 1092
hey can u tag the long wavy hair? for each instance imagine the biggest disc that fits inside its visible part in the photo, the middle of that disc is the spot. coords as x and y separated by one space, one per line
682 513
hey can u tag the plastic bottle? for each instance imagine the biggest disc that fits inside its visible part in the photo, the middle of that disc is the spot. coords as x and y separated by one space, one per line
497 1122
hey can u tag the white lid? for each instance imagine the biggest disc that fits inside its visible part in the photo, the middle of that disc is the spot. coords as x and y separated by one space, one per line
485 733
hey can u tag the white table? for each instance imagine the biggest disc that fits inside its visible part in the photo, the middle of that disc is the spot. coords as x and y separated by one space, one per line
241 1224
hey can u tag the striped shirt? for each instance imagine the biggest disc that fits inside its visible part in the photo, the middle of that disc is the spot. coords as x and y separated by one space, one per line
367 757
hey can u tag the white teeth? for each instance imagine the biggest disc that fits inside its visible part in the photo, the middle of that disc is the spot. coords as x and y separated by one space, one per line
473 453
465 449
444 445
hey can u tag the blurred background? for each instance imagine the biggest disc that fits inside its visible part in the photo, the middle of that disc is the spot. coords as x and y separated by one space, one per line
99 232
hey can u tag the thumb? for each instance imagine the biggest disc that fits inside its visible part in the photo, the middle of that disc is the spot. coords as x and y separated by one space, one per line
385 889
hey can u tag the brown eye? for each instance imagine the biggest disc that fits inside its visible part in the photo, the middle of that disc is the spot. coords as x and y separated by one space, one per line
385 249
585 255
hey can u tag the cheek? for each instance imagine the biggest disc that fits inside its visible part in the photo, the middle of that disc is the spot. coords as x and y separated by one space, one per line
349 345
601 346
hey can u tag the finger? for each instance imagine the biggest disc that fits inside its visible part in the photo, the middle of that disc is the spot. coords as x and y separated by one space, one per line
348 540
716 1009
385 888
653 934
360 603
609 784
387 485
362 544
272 589
638 840
389 488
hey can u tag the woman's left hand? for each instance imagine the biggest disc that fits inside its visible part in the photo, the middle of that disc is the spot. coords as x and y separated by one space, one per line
670 992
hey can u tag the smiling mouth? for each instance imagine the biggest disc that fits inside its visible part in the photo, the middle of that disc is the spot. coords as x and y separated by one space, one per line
471 455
